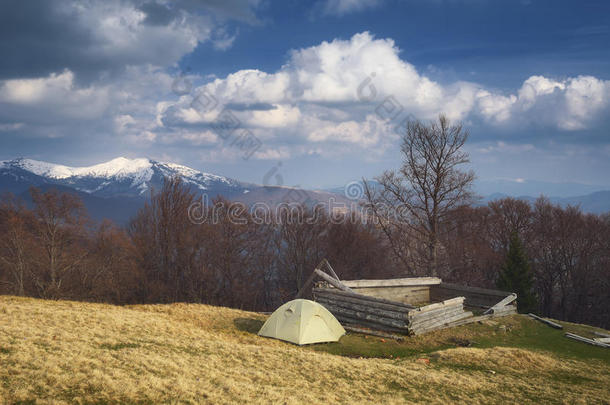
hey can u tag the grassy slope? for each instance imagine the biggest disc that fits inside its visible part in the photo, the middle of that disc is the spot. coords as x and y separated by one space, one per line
59 351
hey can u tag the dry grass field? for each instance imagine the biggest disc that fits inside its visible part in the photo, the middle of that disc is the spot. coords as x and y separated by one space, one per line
70 352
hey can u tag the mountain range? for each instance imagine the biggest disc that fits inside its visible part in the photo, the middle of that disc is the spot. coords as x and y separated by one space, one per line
118 188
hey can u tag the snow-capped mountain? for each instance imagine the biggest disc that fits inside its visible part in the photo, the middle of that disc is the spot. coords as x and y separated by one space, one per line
118 177
118 188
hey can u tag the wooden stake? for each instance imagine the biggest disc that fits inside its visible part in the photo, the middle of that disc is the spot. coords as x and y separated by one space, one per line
332 281
373 333
330 269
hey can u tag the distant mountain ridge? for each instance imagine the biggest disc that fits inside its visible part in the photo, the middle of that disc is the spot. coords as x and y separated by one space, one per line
594 203
118 177
597 202
527 187
118 188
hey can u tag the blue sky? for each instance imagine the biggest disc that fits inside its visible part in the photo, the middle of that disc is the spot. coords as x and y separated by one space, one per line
84 82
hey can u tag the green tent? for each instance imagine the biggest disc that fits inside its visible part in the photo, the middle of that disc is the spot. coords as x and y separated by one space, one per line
302 322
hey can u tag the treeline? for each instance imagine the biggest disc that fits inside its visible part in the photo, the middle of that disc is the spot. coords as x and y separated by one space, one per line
228 257
53 250
568 253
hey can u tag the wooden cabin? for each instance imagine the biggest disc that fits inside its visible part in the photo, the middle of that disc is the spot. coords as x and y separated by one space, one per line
409 305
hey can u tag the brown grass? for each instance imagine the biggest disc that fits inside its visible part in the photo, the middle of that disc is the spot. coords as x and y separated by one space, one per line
68 352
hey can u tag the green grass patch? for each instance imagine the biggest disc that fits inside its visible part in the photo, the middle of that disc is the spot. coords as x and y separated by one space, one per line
119 346
533 335
357 345
518 331
25 402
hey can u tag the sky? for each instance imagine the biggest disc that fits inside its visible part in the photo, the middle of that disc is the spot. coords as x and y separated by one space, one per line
315 91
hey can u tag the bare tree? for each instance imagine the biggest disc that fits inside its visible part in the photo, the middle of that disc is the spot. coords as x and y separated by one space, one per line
429 185
301 232
60 230
15 242
509 216
162 235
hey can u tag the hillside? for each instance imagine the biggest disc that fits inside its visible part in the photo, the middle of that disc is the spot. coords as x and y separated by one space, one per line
67 352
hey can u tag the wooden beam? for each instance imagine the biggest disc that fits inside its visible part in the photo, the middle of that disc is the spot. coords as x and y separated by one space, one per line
436 314
601 334
363 297
334 309
504 311
334 282
550 323
326 263
314 274
414 317
363 308
586 340
483 291
393 282
373 333
502 303
417 316
438 305
359 301
346 320
470 320
307 283
443 318
441 324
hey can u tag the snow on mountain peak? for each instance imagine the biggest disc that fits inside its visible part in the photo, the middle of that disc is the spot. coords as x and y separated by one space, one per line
118 167
139 174
188 173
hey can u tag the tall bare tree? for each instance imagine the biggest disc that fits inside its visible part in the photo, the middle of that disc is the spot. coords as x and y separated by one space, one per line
417 198
162 234
15 242
60 230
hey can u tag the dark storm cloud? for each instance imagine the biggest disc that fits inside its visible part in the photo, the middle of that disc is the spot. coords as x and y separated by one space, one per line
81 79
158 14
40 37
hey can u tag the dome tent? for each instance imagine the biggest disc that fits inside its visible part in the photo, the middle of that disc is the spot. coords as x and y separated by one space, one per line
302 322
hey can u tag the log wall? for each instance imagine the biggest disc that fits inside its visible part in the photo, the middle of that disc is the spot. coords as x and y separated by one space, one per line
357 309
390 305
475 297
408 295
414 291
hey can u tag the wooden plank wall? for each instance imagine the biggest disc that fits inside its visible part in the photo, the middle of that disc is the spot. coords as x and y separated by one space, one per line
352 308
390 305
435 316
475 297
409 295
357 309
